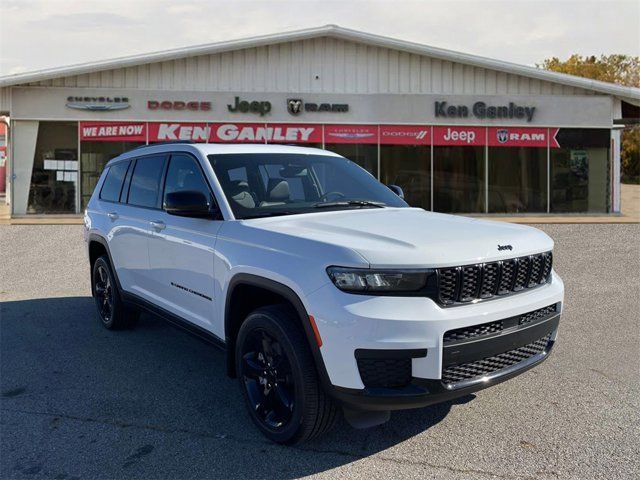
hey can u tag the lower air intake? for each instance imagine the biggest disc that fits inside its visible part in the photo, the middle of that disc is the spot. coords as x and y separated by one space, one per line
486 366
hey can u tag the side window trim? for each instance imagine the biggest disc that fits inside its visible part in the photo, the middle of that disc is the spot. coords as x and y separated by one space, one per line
124 191
163 179
106 175
170 156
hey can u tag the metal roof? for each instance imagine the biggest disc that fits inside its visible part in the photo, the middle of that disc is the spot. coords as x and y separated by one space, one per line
333 31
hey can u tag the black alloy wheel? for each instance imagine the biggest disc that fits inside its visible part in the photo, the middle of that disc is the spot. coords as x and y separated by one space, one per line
267 378
278 377
103 294
113 313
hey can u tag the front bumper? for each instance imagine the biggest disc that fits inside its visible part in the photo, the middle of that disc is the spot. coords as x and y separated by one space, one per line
423 392
439 371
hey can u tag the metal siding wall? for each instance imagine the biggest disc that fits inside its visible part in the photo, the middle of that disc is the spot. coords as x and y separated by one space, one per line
342 67
5 99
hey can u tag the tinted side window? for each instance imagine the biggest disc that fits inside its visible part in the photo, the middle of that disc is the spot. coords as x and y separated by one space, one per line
145 183
113 183
184 174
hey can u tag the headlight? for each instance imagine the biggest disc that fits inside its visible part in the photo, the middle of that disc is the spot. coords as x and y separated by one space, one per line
360 280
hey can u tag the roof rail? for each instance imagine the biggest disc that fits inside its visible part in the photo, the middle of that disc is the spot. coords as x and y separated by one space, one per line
170 142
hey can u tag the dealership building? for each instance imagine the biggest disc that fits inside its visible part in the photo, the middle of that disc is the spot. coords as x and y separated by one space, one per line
459 133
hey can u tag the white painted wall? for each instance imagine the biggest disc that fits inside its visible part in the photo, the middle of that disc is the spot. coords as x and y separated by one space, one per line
5 100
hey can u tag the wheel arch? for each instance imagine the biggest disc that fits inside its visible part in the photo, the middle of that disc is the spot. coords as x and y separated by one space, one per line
98 246
234 314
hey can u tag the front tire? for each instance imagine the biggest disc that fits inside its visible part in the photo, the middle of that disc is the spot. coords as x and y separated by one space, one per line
112 312
278 378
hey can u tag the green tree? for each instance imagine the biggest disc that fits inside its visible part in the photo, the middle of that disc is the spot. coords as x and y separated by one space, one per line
620 69
630 155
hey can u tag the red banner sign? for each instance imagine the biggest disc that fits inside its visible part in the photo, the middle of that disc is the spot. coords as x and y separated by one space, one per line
166 132
289 133
350 134
265 133
312 133
114 131
522 137
459 136
405 135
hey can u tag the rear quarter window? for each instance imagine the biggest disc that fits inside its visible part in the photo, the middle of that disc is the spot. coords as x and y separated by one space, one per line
113 182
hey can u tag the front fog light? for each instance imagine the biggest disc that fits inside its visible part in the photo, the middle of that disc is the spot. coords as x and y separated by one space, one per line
371 281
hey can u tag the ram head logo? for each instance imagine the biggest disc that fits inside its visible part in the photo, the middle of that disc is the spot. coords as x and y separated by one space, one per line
294 106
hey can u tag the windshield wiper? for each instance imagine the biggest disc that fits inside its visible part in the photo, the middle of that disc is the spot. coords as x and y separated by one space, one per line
350 203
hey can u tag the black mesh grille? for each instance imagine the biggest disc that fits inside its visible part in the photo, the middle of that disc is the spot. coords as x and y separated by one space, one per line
473 331
470 283
385 372
486 366
448 278
537 264
537 314
546 268
507 275
485 280
490 277
522 274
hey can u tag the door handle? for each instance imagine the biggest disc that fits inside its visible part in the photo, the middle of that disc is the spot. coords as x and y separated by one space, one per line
158 224
112 215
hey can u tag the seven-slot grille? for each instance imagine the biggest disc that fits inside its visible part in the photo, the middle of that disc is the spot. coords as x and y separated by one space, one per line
486 280
479 368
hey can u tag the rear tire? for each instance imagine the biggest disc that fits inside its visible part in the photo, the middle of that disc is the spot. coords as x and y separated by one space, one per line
113 313
278 378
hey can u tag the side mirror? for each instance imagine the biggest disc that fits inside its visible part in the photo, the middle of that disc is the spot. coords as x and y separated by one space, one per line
189 204
397 190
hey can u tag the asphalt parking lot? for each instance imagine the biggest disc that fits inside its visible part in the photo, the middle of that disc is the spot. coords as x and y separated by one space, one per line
78 401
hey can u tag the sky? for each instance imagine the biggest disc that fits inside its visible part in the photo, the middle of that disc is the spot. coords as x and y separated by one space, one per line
37 34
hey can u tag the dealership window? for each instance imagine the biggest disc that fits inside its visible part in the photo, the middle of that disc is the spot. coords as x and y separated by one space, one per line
517 180
458 179
580 171
93 158
408 166
54 178
365 155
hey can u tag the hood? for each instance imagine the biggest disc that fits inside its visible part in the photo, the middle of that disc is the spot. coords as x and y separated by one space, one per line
412 237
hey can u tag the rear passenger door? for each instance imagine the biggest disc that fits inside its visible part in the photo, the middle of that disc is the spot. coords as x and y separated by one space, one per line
181 251
129 241
111 206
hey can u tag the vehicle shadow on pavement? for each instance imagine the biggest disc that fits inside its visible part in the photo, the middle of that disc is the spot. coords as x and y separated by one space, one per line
149 402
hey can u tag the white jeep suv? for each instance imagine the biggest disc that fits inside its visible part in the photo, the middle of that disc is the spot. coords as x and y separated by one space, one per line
325 289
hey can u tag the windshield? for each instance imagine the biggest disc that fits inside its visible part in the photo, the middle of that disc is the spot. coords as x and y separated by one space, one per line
262 185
